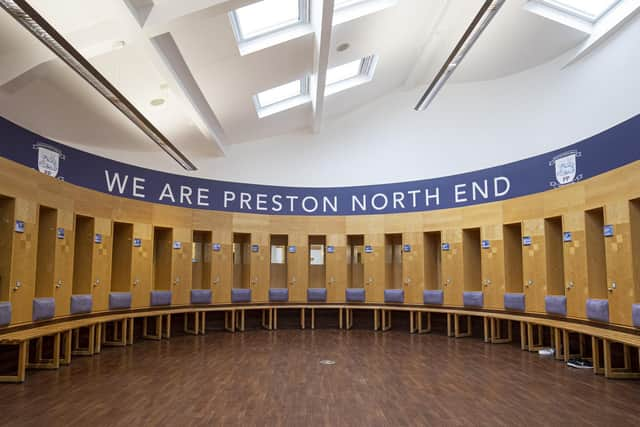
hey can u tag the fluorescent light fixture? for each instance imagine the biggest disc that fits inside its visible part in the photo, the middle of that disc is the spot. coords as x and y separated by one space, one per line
22 12
351 74
480 22
589 10
267 17
282 97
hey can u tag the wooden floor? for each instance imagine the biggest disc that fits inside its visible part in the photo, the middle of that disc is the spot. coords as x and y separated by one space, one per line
275 378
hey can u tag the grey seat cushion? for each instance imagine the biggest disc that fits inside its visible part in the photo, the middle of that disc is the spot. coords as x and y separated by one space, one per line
435 297
278 294
635 315
473 299
5 313
240 295
556 304
201 296
394 295
355 295
160 298
119 300
514 302
44 308
82 303
598 309
317 294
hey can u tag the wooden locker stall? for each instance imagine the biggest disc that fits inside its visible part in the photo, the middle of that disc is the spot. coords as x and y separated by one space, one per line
534 264
23 261
222 266
338 267
492 266
472 260
83 256
142 265
554 256
355 261
63 276
393 261
46 248
7 209
432 261
162 268
278 261
260 266
181 266
298 267
413 266
201 260
242 260
452 267
622 252
576 286
596 257
122 260
101 266
513 258
317 262
374 267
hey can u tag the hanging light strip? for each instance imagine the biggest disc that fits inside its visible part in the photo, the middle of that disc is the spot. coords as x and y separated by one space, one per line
22 12
488 10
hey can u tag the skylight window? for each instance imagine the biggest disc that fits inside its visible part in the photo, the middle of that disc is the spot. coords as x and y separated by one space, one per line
351 74
344 72
267 17
589 10
282 97
339 4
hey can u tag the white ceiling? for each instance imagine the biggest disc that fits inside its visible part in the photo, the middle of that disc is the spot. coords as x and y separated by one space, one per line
210 85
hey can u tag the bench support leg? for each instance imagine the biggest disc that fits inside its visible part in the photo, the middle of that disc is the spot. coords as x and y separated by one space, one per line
458 332
426 329
20 375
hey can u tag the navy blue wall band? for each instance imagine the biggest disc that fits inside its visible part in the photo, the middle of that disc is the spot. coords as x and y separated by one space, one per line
608 150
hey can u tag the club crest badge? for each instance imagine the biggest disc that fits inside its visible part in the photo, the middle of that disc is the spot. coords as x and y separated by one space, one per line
566 168
48 159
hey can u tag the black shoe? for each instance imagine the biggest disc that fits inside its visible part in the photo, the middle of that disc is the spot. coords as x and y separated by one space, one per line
580 364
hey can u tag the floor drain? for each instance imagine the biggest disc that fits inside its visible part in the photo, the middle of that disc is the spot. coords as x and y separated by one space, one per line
327 362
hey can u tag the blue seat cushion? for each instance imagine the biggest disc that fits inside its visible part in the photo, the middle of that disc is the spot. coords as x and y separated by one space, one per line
598 309
433 297
5 313
201 296
635 315
160 298
81 303
119 300
44 308
556 304
316 294
355 295
514 302
240 295
394 295
278 294
472 299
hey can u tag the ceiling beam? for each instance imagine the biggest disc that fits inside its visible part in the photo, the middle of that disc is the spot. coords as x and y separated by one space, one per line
322 22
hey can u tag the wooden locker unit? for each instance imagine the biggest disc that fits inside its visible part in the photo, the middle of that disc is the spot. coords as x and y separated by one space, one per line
278 275
46 253
298 267
181 266
222 267
260 266
432 261
393 261
162 247
201 260
101 266
472 259
596 258
338 268
554 256
374 267
355 261
121 263
317 262
413 266
513 258
623 259
575 264
242 260
7 208
142 265
23 262
64 262
83 255
452 267
534 264
492 266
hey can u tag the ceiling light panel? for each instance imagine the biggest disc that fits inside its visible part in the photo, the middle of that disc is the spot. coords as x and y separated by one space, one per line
268 16
282 97
344 72
590 10
280 93
351 74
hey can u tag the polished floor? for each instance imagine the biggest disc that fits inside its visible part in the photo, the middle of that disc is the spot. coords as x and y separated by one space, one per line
275 378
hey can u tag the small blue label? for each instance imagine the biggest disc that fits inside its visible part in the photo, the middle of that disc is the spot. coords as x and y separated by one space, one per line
406 248
216 247
445 246
485 244
330 249
177 245
255 248
292 249
368 249
97 238
137 243
19 226
608 230
526 241
60 233
566 236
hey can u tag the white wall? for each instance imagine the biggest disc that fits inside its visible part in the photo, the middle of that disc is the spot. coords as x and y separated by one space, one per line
470 126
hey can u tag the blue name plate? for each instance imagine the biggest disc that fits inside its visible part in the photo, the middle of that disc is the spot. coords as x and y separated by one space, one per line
526 241
368 249
137 243
608 230
19 227
177 245
60 233
292 249
485 244
406 248
445 246
216 247
255 248
97 238
566 236
330 249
